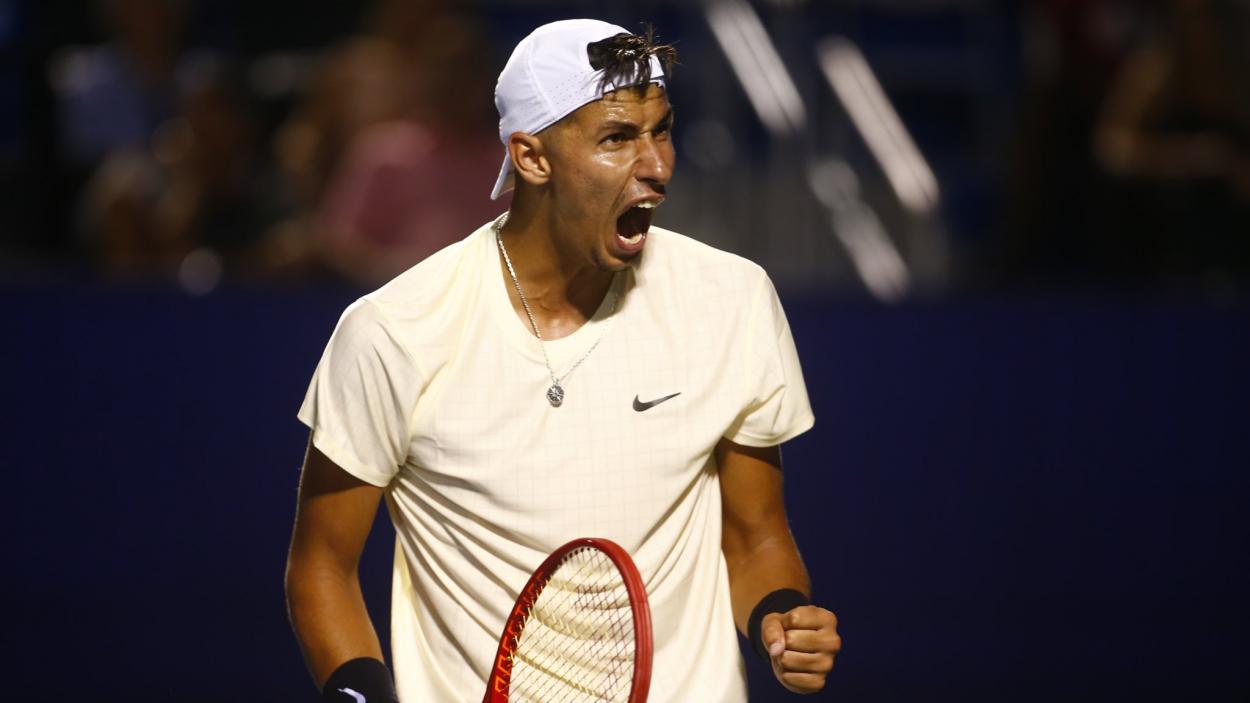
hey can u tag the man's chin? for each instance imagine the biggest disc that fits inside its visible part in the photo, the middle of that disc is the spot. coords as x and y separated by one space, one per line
606 261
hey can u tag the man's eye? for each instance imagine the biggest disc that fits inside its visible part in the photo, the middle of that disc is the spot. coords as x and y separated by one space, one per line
614 138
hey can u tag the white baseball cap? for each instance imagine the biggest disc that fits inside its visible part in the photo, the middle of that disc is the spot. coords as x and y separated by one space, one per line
549 76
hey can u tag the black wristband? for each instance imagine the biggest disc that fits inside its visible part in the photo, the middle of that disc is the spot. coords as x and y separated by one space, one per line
780 601
365 677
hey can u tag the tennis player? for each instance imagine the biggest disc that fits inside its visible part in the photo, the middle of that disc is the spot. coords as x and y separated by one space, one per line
567 370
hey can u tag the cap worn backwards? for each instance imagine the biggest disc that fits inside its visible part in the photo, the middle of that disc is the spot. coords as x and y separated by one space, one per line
548 77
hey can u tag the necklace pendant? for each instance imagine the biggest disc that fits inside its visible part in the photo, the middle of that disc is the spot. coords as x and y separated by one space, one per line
555 395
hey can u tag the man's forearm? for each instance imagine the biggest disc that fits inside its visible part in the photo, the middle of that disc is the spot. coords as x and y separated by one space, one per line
799 640
328 614
761 567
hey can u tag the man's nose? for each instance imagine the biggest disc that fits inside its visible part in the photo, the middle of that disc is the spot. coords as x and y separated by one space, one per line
655 161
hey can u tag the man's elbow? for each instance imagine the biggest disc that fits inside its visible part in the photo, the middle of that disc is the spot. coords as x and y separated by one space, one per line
296 585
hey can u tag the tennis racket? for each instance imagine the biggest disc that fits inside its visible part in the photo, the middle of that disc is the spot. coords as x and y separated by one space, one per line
580 631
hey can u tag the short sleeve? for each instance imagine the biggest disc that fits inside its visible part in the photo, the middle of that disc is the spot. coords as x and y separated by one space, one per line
362 396
776 408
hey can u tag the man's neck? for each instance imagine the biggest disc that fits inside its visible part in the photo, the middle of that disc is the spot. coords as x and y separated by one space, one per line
563 288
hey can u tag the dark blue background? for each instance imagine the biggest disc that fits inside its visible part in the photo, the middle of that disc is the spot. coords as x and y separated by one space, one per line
1034 499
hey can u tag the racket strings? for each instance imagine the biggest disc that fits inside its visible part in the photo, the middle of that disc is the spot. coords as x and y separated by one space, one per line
577 644
585 590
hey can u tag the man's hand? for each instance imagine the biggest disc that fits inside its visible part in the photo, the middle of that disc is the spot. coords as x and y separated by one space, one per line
802 645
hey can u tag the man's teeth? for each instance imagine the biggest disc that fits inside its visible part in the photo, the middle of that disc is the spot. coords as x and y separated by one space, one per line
637 237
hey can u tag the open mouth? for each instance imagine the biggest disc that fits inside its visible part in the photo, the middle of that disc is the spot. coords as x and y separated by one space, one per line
632 226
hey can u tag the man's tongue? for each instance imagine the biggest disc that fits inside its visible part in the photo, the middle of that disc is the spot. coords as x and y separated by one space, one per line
633 224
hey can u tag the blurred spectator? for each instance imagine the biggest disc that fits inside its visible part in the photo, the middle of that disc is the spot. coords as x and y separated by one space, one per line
370 77
115 95
394 153
1176 129
165 136
1059 200
194 189
408 187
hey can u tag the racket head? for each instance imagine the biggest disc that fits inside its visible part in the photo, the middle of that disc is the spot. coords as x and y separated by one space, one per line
499 683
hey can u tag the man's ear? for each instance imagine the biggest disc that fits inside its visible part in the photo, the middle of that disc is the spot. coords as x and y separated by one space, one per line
529 158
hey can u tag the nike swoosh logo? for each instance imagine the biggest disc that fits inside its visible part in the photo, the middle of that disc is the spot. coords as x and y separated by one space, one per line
641 406
359 698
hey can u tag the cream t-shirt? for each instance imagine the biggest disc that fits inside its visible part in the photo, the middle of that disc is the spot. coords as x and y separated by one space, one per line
434 388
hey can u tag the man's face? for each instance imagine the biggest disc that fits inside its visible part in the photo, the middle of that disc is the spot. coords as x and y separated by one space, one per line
610 161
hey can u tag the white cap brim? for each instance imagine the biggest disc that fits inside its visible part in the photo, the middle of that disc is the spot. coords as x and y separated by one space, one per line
506 180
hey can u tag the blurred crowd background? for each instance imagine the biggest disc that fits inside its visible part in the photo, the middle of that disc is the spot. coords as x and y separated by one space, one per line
1011 239
895 146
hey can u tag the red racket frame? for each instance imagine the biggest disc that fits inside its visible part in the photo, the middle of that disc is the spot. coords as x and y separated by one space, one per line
501 673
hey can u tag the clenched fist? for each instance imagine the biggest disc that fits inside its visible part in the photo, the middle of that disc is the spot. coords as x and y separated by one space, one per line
802 645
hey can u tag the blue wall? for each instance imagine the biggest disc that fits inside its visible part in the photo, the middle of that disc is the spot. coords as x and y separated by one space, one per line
1024 500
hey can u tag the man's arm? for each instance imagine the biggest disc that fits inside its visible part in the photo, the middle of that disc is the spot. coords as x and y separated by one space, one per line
332 521
762 558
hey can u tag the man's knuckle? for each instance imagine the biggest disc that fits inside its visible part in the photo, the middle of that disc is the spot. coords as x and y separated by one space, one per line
806 682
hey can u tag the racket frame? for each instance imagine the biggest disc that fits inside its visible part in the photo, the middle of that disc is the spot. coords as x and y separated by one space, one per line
500 678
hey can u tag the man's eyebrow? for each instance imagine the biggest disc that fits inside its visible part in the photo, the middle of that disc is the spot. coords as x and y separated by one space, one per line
617 124
633 126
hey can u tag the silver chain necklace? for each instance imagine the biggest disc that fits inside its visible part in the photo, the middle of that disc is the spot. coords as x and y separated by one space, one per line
555 394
